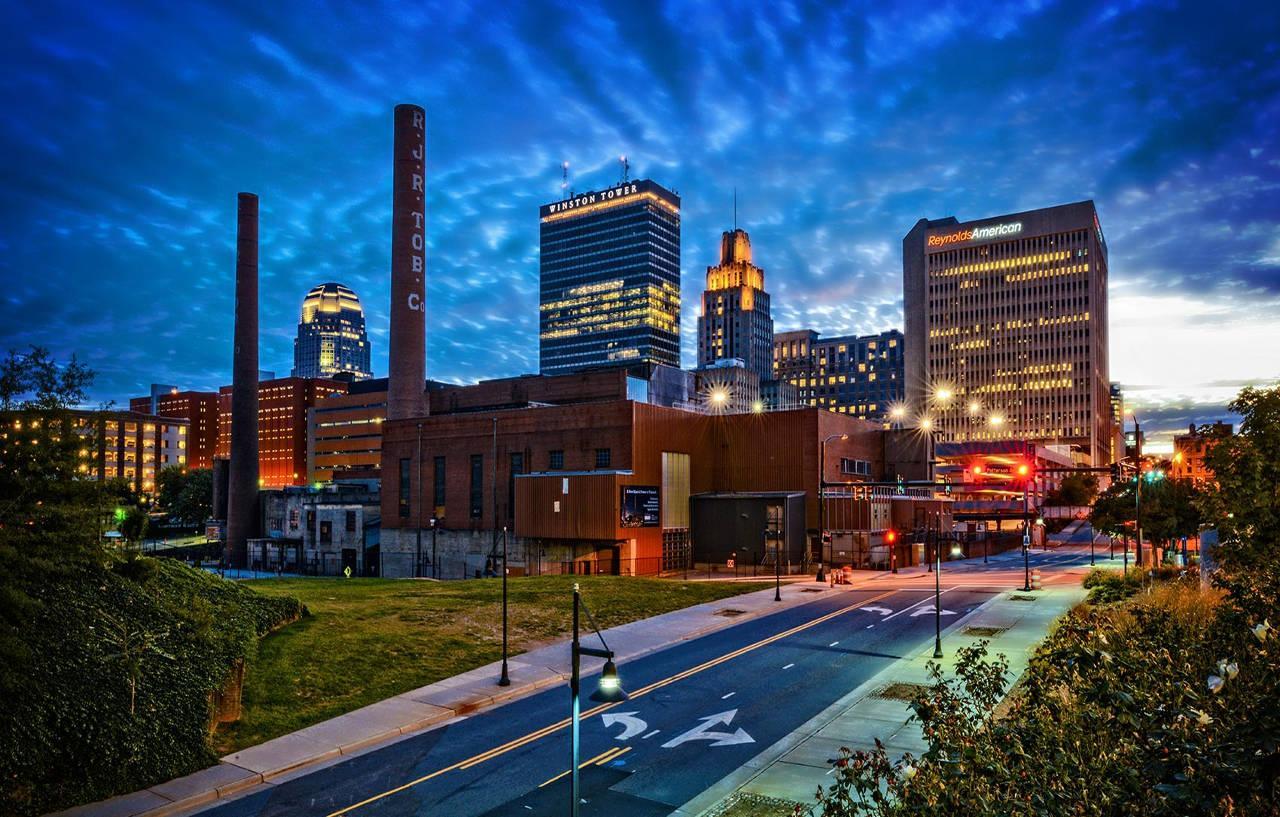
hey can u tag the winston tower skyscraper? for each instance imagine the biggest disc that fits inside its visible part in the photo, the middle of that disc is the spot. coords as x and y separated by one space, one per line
331 335
1006 328
735 320
610 279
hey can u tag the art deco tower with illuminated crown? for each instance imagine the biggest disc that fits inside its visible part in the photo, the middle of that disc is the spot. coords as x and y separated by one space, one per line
331 335
735 320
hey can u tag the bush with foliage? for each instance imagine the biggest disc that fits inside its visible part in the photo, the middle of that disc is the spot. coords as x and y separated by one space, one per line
1160 702
123 659
107 659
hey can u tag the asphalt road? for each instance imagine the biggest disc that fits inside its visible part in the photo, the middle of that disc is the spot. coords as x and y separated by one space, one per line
698 710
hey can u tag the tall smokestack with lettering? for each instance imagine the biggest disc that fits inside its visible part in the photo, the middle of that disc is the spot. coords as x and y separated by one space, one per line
407 365
242 481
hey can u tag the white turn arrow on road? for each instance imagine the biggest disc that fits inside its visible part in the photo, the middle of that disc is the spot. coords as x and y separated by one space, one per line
884 611
703 731
632 725
928 611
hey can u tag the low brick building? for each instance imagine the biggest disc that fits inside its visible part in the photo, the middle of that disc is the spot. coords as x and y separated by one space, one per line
606 485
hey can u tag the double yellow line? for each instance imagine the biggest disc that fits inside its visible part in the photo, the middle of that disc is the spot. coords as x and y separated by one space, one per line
512 745
604 757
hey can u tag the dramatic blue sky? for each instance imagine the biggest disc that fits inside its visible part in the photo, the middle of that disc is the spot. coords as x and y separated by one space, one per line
126 131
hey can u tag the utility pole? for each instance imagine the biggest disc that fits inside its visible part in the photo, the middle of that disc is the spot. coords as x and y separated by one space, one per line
1137 496
417 567
505 680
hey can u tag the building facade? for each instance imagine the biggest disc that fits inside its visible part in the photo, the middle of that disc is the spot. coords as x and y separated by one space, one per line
735 321
861 375
198 408
1190 451
608 485
609 286
132 446
283 404
1006 328
331 340
728 386
345 433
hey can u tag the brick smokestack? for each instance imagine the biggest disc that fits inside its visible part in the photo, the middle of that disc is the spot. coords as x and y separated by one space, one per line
242 479
407 364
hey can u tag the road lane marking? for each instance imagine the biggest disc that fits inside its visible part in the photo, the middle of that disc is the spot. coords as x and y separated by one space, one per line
727 697
651 734
561 724
789 666
622 751
600 759
833 643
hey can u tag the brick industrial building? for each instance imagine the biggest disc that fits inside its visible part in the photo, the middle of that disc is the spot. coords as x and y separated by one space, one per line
602 483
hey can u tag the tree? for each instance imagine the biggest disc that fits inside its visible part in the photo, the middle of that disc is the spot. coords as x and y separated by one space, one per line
134 525
1244 504
49 516
1075 489
186 495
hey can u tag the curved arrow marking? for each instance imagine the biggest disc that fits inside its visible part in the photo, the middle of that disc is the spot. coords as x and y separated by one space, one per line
703 732
632 725
884 611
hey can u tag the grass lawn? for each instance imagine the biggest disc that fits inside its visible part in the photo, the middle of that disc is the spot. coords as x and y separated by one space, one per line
369 639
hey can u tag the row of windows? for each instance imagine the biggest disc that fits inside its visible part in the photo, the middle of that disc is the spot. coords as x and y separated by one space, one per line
555 462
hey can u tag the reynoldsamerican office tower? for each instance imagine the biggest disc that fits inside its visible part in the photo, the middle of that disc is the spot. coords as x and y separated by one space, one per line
610 279
1006 328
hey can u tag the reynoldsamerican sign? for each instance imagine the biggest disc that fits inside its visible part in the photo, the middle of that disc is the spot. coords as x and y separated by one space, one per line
976 234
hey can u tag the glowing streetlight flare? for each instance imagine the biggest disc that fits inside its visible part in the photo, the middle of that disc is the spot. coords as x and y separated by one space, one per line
996 420
944 394
926 423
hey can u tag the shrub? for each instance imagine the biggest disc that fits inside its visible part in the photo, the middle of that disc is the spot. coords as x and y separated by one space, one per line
1162 705
115 697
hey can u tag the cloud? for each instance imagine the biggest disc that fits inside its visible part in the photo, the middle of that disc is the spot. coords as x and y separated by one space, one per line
840 126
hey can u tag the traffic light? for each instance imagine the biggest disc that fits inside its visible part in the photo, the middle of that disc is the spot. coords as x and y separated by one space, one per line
891 536
947 489
1115 472
902 488
977 469
1024 470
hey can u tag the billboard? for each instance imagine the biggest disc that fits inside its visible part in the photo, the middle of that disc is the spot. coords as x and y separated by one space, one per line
640 506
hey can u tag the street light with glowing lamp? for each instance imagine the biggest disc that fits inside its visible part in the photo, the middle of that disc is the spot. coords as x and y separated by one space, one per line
608 688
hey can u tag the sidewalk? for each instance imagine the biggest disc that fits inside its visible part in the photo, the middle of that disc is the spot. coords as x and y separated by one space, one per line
794 768
386 721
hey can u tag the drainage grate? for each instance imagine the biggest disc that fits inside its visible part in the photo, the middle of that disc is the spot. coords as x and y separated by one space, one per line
984 632
1022 598
730 612
902 691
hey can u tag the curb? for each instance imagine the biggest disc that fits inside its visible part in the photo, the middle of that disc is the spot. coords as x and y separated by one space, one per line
709 798
233 776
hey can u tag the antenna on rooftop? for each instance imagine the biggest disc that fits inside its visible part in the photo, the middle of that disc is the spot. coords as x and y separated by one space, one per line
735 207
564 183
626 167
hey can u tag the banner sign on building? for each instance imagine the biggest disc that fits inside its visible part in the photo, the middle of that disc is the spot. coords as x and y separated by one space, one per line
640 506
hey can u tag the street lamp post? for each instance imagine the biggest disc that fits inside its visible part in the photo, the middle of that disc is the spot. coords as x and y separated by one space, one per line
937 594
435 564
609 689
777 566
505 680
1137 496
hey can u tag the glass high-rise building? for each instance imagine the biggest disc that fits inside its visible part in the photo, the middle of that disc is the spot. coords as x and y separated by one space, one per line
1006 328
610 279
331 338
